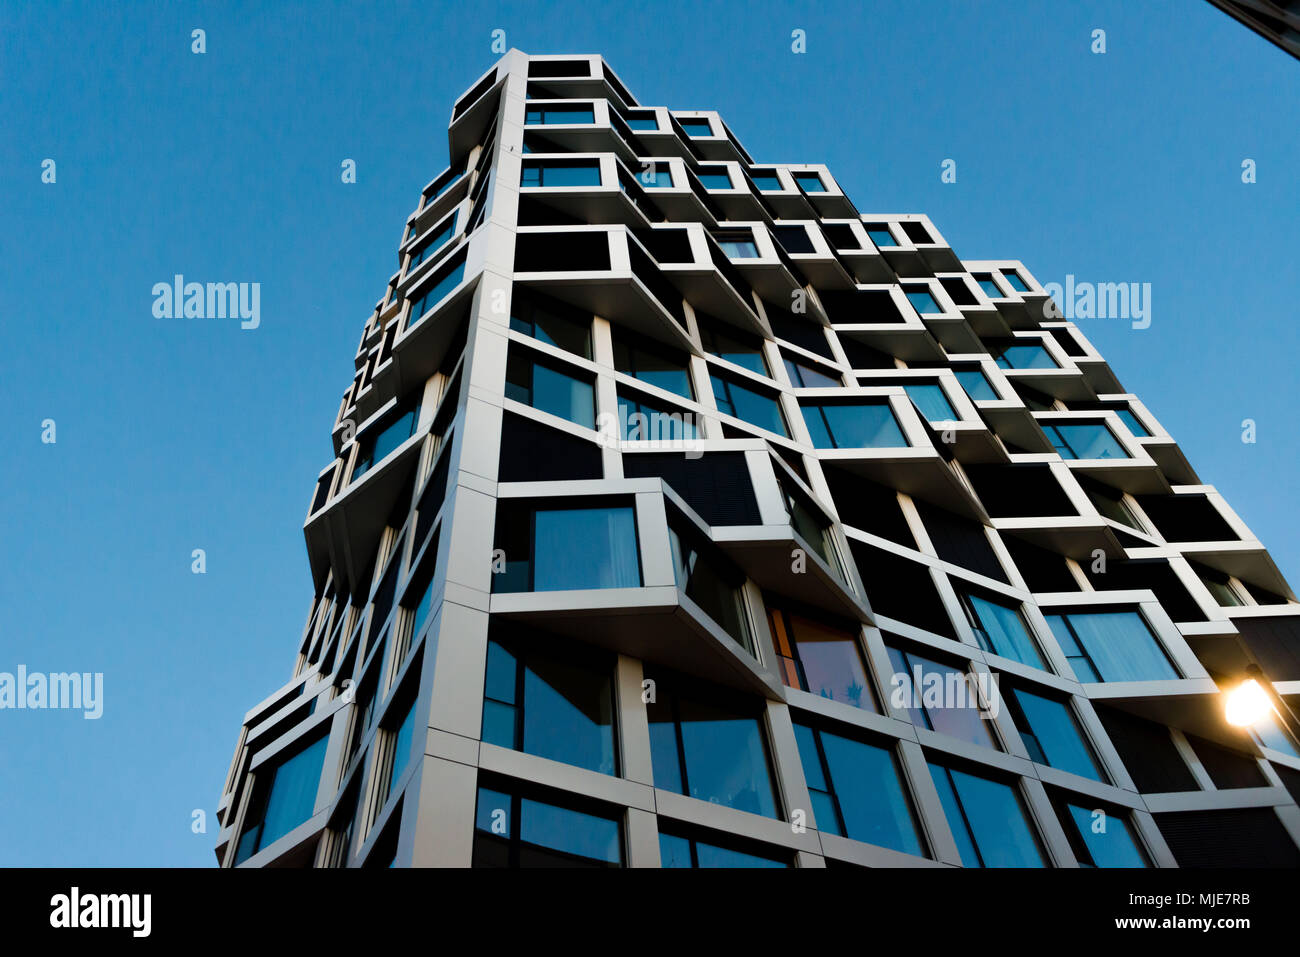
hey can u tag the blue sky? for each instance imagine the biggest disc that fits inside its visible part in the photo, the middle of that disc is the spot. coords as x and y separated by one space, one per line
176 435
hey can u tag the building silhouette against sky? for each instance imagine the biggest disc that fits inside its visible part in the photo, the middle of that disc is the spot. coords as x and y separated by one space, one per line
685 514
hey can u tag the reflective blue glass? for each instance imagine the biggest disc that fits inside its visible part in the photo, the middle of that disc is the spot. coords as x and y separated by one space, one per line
1026 357
976 384
997 833
1014 280
922 301
1108 839
749 405
715 179
1053 727
1084 441
932 401
696 127
608 558
861 426
290 801
435 293
1131 421
557 115
811 182
560 174
881 236
1002 631
866 781
765 179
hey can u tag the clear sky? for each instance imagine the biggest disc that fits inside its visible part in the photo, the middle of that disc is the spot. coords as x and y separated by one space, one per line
176 435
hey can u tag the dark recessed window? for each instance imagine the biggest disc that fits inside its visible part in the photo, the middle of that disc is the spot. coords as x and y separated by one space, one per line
1111 646
821 658
1014 281
857 790
861 425
765 180
515 831
402 747
559 707
987 819
536 542
709 580
750 405
546 387
642 121
991 288
711 751
794 239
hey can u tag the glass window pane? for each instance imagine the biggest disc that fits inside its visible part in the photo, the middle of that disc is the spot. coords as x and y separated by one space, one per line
402 747
997 822
1026 357
946 696
1121 646
499 725
862 426
881 236
1091 441
726 760
765 180
1014 280
553 836
748 405
563 395
1108 838
932 401
1058 735
871 796
832 663
696 127
1131 420
975 383
922 301
609 559
1006 631
568 714
715 179
811 182
804 376
710 855
674 851
292 797
664 758
956 821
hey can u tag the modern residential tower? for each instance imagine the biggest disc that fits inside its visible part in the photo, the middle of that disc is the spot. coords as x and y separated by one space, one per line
683 514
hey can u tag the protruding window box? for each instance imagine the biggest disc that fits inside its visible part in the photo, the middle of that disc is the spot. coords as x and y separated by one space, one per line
880 318
651 615
877 433
804 245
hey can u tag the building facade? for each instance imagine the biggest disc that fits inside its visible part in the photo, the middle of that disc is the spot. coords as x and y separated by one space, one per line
683 514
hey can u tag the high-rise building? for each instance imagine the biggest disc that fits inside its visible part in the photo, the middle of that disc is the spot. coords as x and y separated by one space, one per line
683 514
